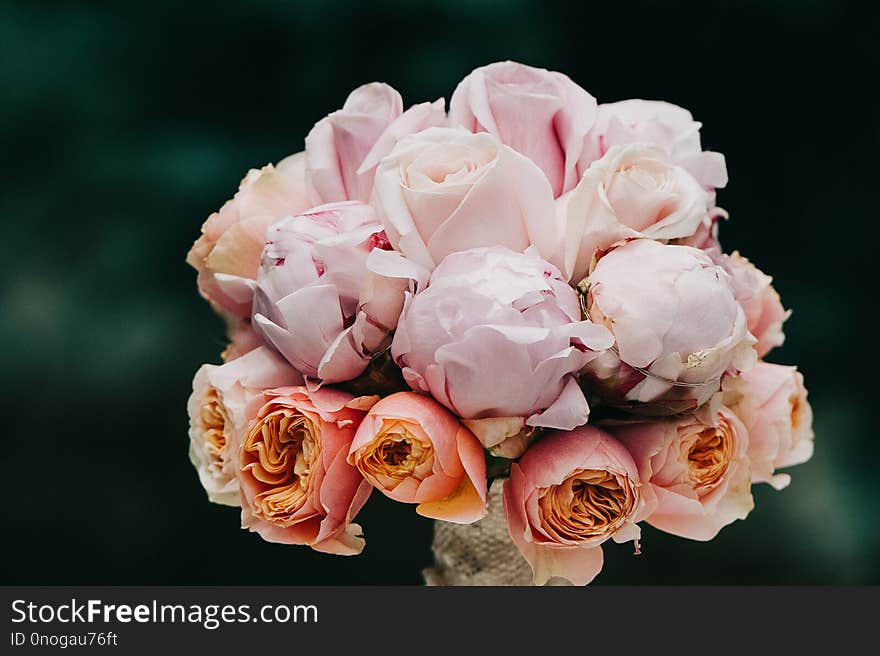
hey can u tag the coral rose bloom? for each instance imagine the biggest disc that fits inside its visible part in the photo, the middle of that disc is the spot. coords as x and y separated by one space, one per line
296 487
414 450
224 399
568 494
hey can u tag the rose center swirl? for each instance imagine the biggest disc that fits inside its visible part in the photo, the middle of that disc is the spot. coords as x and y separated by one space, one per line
279 452
397 452
588 504
709 456
214 419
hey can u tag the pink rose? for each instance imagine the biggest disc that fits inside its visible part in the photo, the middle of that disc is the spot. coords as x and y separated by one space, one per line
414 450
499 334
344 148
541 114
568 494
633 191
296 486
442 190
310 302
771 401
224 399
760 301
660 123
676 324
227 254
697 474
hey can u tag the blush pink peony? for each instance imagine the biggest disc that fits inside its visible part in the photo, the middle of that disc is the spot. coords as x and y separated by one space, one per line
499 334
310 302
676 322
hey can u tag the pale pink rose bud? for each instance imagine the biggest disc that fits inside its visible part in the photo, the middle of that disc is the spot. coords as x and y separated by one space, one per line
344 148
656 122
499 334
296 487
317 301
224 399
569 493
633 191
414 450
442 190
677 327
771 401
227 254
541 114
696 474
760 301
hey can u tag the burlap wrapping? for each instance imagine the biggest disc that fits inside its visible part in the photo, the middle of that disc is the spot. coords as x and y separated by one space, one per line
478 554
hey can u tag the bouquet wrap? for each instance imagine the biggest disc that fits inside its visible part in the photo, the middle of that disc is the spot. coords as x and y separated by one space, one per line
480 553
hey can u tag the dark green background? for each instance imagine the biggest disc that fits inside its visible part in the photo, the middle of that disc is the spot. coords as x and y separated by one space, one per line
123 125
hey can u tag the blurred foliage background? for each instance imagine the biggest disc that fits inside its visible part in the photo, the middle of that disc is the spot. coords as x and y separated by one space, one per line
123 125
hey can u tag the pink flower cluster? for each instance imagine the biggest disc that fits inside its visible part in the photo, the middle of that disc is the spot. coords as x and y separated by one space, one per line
532 280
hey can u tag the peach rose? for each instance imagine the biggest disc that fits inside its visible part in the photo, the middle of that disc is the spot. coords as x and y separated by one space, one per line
344 148
414 450
569 493
697 473
227 254
443 190
224 399
296 486
771 401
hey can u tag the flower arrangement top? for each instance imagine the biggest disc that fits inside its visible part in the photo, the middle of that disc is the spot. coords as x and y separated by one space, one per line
528 288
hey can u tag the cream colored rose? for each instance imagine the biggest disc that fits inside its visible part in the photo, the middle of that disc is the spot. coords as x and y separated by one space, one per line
771 401
633 191
223 400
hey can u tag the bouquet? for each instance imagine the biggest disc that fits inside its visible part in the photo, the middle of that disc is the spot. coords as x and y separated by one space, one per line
519 307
